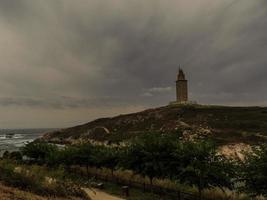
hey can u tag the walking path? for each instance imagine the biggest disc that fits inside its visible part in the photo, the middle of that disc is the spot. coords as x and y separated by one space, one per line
96 194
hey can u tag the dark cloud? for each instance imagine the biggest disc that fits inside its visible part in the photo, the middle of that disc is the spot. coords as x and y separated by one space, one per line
64 102
107 54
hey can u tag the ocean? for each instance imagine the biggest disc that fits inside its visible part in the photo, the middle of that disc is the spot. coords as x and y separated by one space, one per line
14 139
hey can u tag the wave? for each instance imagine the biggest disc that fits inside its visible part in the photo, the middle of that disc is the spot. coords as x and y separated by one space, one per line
11 136
18 136
2 137
12 139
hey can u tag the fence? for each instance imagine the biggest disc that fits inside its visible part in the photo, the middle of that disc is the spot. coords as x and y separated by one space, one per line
159 190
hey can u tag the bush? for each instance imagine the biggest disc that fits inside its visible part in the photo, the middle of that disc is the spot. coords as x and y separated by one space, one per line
201 166
255 171
15 179
39 151
15 155
150 155
34 180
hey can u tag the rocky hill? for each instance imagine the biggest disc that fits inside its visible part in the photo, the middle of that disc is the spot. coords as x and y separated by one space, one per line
225 125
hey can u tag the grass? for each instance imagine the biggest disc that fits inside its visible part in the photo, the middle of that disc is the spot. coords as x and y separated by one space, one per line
33 179
39 180
137 193
8 193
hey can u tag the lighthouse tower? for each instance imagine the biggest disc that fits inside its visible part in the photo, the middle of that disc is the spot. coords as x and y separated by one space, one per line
181 88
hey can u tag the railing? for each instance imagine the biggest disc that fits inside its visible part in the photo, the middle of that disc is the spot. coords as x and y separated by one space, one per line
159 190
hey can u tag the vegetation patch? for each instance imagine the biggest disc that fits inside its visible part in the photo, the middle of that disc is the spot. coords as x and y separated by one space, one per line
37 180
155 156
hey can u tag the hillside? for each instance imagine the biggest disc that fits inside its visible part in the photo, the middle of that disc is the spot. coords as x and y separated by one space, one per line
225 125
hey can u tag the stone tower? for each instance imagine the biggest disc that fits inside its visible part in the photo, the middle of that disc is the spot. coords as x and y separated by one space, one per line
181 88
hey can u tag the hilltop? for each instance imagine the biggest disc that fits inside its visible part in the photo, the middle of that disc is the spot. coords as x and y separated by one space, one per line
224 125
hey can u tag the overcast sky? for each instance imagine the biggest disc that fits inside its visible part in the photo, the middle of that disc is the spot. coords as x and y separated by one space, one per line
66 62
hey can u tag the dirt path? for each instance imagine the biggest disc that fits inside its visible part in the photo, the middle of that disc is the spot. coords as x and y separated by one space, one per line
96 194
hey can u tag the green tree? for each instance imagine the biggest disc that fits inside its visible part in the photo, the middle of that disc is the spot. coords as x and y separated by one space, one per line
15 155
84 156
201 166
72 155
6 155
150 155
39 151
108 157
255 171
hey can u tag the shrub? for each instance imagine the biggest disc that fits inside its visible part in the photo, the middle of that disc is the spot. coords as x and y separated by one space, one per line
15 155
254 171
39 151
34 180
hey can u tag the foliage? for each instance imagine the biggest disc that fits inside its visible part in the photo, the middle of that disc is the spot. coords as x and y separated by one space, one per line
202 166
255 171
39 151
34 179
149 155
193 163
162 156
6 155
108 157
14 155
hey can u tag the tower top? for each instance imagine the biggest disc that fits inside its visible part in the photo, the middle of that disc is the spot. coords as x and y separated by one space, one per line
181 75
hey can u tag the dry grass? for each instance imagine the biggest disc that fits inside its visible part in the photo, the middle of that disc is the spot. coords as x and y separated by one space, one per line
214 193
39 180
9 193
128 175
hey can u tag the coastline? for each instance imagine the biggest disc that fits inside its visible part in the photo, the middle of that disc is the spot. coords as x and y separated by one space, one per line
14 139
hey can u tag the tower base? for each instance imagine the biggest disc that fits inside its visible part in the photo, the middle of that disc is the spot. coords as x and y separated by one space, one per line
183 103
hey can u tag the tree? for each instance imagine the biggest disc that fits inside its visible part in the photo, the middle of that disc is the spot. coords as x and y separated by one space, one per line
15 155
108 157
255 171
201 166
84 156
6 155
75 155
39 151
149 155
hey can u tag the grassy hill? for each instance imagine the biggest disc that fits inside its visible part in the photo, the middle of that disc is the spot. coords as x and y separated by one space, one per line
225 125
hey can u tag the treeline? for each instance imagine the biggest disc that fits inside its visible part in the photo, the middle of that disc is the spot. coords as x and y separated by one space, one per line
163 156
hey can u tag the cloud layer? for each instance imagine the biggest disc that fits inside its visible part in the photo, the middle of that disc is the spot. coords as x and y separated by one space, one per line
95 58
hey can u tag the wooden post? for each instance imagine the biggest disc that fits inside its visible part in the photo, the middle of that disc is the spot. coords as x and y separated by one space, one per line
125 191
144 187
179 195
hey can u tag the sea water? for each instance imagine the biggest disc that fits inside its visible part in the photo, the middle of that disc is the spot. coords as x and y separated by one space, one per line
14 139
